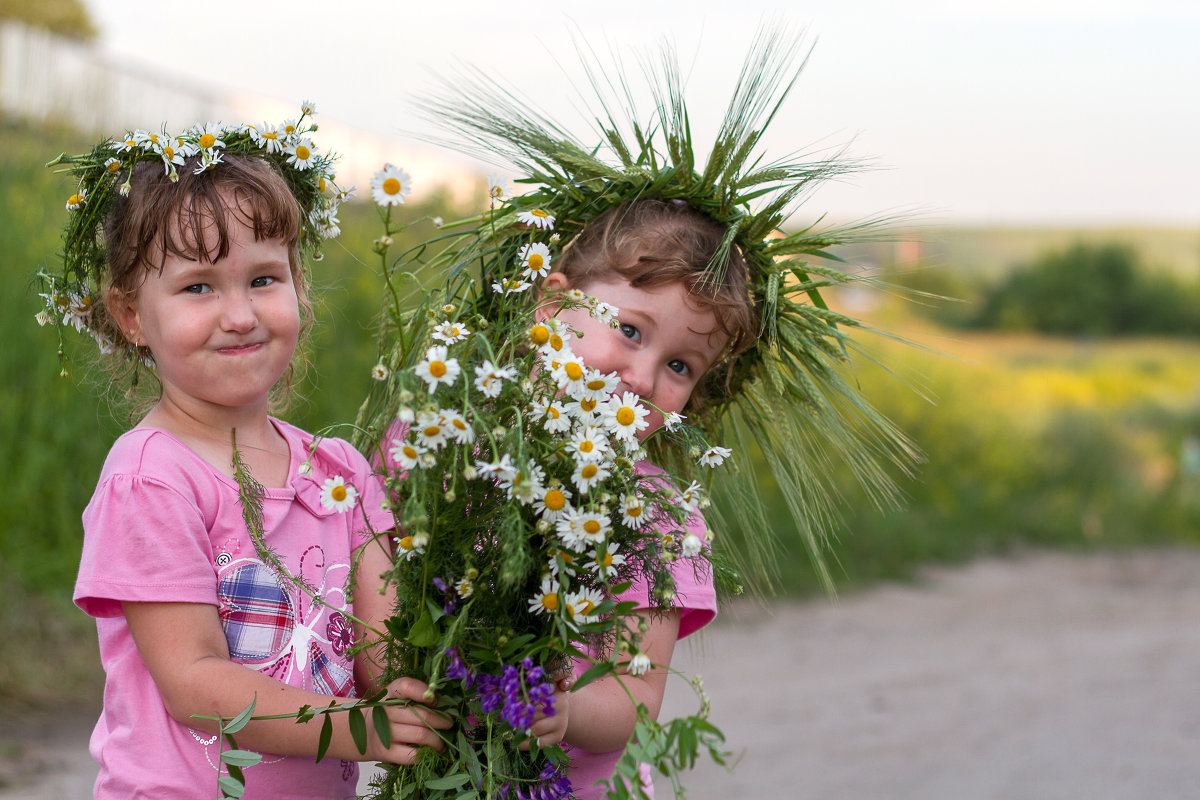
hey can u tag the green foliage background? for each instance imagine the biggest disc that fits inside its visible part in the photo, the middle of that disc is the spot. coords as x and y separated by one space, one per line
1030 441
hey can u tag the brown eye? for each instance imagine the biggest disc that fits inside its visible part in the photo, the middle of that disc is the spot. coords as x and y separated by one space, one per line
630 332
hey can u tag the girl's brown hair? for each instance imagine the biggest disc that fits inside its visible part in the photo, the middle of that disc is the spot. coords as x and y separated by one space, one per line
657 242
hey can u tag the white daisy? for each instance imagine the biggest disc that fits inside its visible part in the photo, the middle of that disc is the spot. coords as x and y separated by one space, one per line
380 372
411 546
125 145
535 260
587 475
267 136
497 188
598 386
489 379
451 332
606 313
337 495
75 201
585 411
465 588
562 562
112 166
673 420
501 469
301 153
437 368
511 286
537 218
589 445
526 485
405 455
715 456
605 560
690 546
390 186
581 604
558 341
209 135
691 495
457 427
308 108
570 374
289 129
546 600
553 504
430 431
592 527
625 416
633 511
553 414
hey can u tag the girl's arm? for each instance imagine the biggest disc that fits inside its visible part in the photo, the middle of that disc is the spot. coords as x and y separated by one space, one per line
602 715
184 648
373 603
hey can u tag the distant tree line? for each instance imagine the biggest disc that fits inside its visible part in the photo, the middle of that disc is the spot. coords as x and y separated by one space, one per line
1087 289
1091 290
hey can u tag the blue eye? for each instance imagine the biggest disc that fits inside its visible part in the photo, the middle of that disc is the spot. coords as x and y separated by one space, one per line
265 280
678 367
630 332
198 288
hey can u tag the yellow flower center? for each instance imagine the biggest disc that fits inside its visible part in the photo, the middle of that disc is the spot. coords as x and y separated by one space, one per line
552 412
535 262
432 431
302 152
591 527
589 471
607 560
554 500
586 446
169 152
588 405
574 371
289 129
556 342
114 166
539 335
338 493
391 186
586 606
437 368
596 385
625 415
406 543
207 140
272 135
410 451
458 423
131 142
537 212
75 199
550 601
321 184
636 511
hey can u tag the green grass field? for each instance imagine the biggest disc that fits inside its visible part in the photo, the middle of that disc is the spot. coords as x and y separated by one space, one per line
1030 442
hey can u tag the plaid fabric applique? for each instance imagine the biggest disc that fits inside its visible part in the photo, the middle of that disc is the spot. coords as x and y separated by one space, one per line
329 677
255 611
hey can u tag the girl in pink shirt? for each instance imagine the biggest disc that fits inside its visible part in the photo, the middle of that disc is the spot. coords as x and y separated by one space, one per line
197 615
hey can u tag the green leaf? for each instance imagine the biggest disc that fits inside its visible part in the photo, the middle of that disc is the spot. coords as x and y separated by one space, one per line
448 782
239 722
241 758
424 632
230 786
325 738
383 730
358 729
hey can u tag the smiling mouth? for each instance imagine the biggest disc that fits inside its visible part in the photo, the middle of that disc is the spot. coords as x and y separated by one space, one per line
238 349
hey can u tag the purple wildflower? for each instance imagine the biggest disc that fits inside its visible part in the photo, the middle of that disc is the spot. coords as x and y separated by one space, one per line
551 785
518 693
449 596
456 669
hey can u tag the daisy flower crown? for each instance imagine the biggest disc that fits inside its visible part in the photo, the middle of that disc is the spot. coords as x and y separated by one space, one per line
106 173
789 395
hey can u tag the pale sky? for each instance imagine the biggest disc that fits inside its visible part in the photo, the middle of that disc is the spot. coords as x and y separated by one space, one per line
996 111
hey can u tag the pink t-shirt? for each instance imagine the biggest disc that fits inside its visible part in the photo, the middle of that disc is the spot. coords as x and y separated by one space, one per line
164 526
696 601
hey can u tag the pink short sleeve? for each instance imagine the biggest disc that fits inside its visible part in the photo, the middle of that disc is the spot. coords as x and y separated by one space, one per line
143 542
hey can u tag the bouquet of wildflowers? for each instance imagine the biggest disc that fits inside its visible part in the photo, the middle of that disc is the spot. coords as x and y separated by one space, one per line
520 512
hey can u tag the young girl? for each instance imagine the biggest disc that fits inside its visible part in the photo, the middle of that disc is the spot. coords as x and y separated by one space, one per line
199 610
649 259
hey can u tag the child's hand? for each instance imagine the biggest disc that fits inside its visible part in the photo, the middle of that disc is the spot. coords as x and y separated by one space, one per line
411 726
551 730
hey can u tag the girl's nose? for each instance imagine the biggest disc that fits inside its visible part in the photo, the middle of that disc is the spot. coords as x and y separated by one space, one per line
638 375
238 313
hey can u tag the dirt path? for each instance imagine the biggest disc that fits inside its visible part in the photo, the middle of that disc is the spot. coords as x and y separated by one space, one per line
1038 678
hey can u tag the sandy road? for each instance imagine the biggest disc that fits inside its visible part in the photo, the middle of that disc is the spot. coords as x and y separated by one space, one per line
1049 677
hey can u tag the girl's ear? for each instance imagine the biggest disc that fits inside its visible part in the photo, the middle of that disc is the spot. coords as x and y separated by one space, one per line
122 310
554 283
